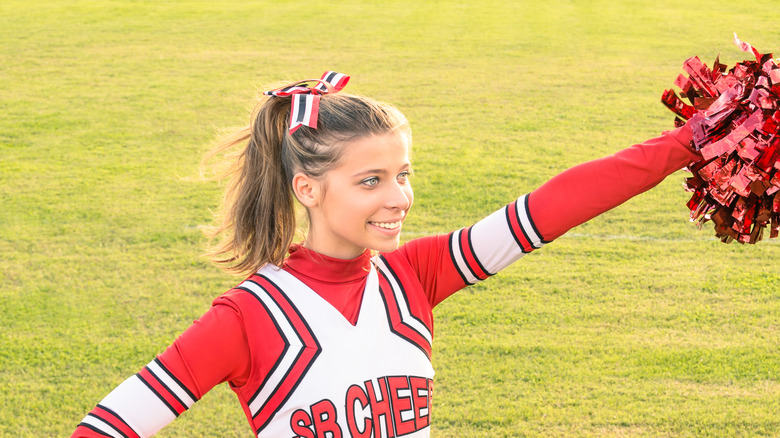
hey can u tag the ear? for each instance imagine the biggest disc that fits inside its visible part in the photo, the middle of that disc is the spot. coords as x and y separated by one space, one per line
306 189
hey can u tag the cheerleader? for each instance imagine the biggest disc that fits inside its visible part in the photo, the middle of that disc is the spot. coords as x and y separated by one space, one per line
331 336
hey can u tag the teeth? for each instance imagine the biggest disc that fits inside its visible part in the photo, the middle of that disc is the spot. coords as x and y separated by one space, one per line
387 225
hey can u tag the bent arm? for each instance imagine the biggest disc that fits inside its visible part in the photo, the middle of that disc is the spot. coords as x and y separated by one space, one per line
211 351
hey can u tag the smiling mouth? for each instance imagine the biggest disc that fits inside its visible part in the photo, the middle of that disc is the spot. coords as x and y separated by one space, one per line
387 225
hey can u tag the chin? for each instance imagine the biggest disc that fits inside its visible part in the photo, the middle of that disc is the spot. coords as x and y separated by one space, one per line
386 247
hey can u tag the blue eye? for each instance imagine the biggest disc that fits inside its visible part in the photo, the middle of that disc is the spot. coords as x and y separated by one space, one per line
404 176
370 181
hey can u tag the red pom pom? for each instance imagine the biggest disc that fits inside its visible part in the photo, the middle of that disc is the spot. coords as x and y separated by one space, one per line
735 118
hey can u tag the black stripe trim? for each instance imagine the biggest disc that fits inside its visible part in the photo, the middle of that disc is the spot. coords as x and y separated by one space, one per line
284 351
474 254
173 394
522 228
392 329
178 382
531 220
302 102
94 429
330 77
389 318
297 357
511 231
292 87
108 423
118 417
165 402
297 312
406 298
454 260
308 366
463 254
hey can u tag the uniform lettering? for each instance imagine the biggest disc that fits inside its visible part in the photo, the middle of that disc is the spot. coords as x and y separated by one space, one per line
380 407
300 423
324 414
397 405
401 398
420 397
357 402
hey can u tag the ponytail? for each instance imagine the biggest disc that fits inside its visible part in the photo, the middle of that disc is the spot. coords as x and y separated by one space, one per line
256 223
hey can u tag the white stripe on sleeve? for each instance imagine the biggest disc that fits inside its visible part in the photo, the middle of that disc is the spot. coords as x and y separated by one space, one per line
139 407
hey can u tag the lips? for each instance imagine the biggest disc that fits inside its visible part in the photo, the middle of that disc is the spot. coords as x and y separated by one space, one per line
387 225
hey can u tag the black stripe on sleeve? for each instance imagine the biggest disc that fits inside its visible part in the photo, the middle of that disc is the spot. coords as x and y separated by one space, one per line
511 230
159 396
173 394
463 254
454 260
117 416
474 254
109 424
531 220
178 382
94 429
522 228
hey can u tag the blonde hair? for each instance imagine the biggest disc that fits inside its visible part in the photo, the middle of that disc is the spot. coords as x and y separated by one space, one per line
256 223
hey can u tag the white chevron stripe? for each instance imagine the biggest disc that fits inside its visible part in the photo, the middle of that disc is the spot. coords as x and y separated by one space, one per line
406 316
287 360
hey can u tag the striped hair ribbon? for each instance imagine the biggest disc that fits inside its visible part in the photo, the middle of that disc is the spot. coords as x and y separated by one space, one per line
745 47
306 100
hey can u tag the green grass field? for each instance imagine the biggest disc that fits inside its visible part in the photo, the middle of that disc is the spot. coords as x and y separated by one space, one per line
635 324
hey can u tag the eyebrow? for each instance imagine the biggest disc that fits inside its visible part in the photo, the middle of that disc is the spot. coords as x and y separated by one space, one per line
369 172
378 171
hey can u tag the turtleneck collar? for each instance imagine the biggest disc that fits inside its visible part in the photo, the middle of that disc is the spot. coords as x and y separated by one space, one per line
309 264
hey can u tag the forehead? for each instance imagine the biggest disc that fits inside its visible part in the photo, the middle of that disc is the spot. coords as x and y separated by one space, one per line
377 151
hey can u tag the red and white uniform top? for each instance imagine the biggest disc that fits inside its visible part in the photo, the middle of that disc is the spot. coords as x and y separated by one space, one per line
341 348
371 378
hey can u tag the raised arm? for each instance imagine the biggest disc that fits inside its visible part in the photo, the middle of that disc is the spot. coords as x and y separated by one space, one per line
589 189
447 263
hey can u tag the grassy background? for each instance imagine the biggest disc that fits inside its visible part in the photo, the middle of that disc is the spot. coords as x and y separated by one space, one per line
635 324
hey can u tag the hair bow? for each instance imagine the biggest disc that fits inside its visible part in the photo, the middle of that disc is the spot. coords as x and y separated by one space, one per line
306 100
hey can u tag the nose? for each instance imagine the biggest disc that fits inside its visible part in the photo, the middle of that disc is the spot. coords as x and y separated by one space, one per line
400 196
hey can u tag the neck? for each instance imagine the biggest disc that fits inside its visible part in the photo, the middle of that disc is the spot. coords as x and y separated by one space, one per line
332 251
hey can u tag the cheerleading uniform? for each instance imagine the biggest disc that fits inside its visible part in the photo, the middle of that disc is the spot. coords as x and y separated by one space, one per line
324 347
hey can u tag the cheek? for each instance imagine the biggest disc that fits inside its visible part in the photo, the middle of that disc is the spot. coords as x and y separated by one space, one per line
410 195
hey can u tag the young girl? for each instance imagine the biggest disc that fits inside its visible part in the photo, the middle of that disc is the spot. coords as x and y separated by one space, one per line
331 337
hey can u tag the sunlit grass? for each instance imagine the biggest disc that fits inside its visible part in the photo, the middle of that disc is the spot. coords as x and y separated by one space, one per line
635 324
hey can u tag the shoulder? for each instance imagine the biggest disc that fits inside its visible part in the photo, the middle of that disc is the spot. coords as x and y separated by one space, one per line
420 251
234 297
268 282
244 293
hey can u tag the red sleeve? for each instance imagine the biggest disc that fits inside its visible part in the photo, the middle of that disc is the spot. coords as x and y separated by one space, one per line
589 189
212 350
430 259
445 264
